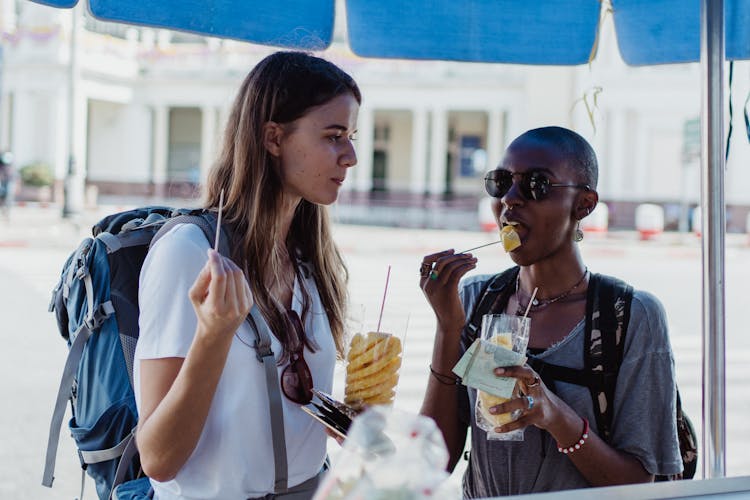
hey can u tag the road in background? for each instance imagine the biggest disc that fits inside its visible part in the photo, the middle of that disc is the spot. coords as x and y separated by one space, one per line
35 244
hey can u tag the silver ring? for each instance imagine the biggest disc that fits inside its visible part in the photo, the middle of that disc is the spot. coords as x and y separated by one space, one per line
530 399
535 383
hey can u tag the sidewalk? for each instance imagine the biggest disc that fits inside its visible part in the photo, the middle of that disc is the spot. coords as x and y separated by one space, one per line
34 225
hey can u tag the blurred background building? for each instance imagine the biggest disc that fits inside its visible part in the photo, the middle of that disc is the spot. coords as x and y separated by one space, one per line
148 107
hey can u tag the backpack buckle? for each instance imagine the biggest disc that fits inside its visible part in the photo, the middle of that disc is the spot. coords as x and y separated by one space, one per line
84 465
263 351
82 272
91 323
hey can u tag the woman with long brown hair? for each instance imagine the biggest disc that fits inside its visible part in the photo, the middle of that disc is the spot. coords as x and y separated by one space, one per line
205 429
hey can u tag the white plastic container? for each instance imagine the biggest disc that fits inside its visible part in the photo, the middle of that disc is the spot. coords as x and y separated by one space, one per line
649 220
597 222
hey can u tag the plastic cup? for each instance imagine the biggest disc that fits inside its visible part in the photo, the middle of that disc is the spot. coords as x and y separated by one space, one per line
511 332
373 363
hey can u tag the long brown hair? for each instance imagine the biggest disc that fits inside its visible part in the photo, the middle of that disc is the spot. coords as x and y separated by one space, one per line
280 88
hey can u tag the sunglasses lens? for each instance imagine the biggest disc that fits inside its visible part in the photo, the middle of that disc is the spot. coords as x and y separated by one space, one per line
296 381
535 186
498 182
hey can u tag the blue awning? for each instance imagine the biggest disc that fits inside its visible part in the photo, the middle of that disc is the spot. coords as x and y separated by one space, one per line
553 32
302 24
507 31
668 31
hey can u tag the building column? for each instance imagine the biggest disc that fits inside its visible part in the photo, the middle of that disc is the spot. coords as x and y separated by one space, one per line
642 158
612 178
419 141
208 140
495 138
6 102
80 153
438 151
364 146
513 125
160 149
8 18
57 155
223 117
77 126
23 116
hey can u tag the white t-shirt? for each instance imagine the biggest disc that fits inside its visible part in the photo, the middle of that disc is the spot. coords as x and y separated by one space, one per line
234 455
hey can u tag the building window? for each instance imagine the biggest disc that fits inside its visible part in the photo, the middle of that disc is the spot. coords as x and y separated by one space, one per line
381 136
184 145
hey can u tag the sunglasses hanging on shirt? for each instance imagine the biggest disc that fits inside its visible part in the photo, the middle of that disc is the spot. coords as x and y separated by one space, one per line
296 378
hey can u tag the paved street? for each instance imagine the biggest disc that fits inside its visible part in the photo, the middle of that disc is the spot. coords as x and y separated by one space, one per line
34 245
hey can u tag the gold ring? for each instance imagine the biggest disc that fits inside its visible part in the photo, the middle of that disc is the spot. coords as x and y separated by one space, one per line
534 383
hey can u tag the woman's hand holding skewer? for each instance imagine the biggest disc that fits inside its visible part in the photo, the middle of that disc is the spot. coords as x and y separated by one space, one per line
439 276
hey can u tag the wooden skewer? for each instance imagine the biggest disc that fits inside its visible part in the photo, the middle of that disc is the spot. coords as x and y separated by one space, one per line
482 246
218 220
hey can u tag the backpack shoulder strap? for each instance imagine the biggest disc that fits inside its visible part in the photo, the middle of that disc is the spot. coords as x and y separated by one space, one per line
607 316
206 221
493 297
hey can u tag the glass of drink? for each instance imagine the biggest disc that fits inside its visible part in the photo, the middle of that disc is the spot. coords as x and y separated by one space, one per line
374 361
512 333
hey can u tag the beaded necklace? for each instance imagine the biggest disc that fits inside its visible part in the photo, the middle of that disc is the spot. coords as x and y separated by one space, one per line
538 304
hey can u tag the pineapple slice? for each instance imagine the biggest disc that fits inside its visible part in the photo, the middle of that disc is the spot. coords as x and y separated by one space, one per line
486 400
510 238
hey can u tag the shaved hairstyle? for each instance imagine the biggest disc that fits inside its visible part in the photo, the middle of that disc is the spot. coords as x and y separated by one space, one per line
576 150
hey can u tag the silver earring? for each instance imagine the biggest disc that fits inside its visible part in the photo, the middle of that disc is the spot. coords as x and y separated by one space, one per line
578 235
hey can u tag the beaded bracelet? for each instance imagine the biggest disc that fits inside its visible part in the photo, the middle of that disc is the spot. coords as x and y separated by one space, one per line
444 379
579 443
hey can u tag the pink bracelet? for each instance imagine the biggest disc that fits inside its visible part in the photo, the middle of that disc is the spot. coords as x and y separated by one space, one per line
579 443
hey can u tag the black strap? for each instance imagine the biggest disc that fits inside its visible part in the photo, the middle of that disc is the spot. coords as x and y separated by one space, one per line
604 338
731 113
493 297
607 316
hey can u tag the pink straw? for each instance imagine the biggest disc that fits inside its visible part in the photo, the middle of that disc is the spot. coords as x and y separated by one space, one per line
382 305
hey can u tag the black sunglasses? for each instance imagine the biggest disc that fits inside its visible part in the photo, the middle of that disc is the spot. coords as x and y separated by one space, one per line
296 378
534 185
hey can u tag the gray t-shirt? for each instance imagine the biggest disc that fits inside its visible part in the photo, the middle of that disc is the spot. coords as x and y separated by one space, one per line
643 422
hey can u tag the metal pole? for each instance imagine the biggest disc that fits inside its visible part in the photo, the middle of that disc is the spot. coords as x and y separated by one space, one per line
68 209
713 230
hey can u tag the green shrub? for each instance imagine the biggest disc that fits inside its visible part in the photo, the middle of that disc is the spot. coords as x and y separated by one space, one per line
37 174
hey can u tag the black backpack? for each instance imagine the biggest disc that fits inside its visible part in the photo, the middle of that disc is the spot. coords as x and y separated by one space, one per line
607 315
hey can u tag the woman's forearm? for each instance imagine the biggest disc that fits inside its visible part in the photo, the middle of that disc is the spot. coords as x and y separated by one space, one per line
441 398
598 462
174 413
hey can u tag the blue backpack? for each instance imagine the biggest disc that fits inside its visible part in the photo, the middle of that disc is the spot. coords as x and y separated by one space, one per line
96 306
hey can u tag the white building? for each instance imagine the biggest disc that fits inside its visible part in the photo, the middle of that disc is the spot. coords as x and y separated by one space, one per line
149 106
